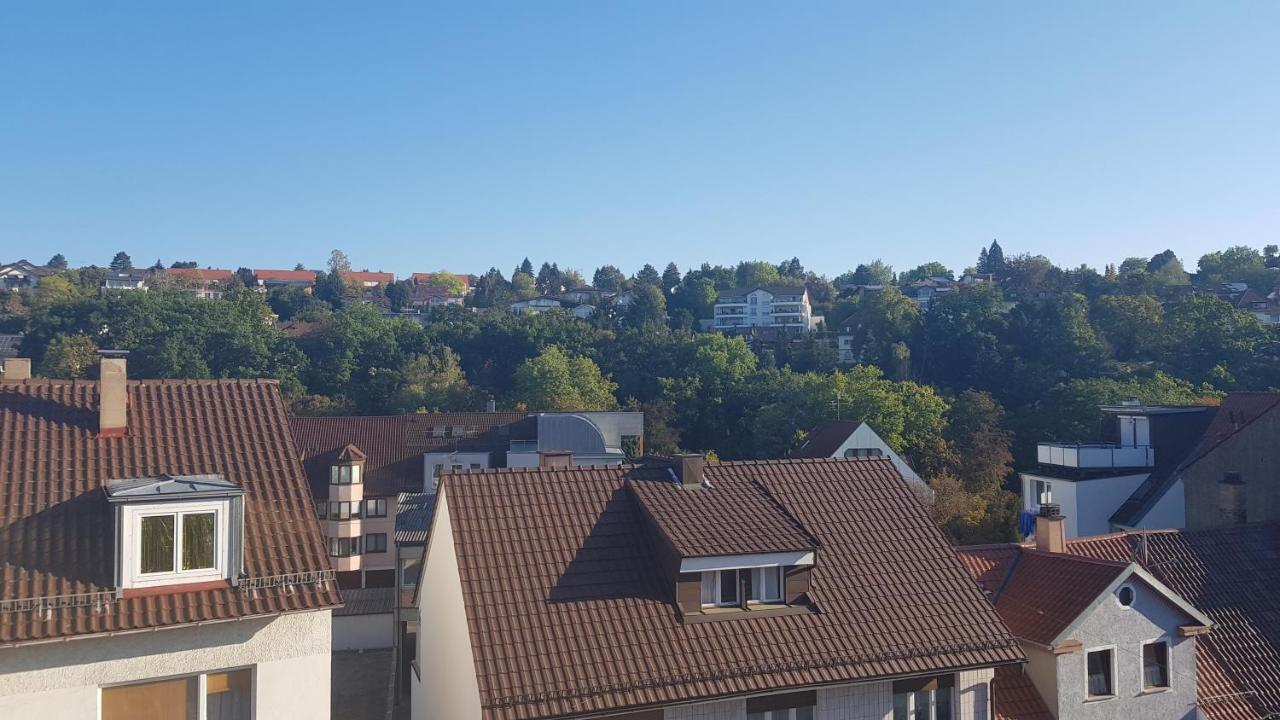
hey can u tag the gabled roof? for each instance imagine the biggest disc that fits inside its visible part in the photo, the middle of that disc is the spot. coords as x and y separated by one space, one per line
25 267
570 613
56 524
1043 594
825 439
393 444
1231 575
1237 411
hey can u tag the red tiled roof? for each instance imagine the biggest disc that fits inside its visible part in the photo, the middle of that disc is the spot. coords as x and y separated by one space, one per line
1231 575
393 445
286 275
1238 409
55 525
209 275
824 440
1014 697
364 276
570 614
1045 593
419 277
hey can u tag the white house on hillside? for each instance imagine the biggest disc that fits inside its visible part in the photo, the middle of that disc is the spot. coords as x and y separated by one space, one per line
774 306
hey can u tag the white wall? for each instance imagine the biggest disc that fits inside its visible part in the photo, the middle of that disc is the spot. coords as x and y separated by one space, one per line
60 681
864 437
363 632
449 459
724 710
448 687
1097 500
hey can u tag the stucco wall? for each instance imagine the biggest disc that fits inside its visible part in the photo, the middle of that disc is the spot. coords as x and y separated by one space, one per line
448 687
1042 669
1169 512
1150 617
1097 500
60 681
363 632
1254 452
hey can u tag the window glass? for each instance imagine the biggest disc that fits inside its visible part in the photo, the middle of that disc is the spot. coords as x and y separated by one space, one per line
728 587
164 700
765 585
376 507
157 544
708 588
1099 669
1155 665
409 570
322 509
197 541
229 695
902 706
375 543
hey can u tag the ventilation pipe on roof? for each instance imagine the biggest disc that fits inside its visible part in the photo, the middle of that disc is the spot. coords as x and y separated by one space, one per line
490 406
113 394
689 469
16 368
1051 529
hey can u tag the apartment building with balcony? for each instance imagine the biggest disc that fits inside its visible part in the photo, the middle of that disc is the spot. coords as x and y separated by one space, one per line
1125 480
782 307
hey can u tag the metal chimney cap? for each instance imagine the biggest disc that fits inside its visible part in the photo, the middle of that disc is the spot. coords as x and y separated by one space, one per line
1050 510
114 353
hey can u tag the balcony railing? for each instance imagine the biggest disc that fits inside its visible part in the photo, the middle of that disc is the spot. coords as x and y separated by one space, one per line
1095 455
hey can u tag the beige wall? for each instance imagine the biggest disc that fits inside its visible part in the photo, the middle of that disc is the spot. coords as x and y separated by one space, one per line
290 655
1254 452
447 688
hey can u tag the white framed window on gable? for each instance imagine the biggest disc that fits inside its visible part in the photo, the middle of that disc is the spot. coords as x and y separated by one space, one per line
1155 665
1100 673
722 588
931 698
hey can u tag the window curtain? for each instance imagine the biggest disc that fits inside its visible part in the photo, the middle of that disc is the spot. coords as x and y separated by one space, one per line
157 544
1100 673
197 541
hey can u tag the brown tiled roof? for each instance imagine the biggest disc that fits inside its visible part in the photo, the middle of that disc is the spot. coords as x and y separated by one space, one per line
1044 593
1233 576
825 439
55 526
570 614
364 276
393 444
1014 697
737 519
286 275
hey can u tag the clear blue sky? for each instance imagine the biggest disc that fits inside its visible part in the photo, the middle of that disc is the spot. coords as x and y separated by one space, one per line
427 135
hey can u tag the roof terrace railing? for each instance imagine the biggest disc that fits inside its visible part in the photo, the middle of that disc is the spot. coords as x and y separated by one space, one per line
1095 455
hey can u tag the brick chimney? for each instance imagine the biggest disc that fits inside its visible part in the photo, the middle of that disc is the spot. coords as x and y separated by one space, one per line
689 469
113 393
555 459
16 368
1051 529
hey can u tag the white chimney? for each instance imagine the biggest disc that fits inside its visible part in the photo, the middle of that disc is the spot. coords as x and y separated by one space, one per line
113 393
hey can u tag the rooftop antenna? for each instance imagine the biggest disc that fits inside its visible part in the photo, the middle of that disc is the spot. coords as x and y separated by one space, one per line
836 403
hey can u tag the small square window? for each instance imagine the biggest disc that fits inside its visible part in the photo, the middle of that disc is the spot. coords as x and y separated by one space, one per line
375 543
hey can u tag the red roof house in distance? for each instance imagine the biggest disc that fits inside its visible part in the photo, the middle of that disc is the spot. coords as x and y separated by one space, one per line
158 552
268 279
366 279
797 589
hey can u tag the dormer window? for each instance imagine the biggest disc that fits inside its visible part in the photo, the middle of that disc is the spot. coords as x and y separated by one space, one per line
173 530
344 475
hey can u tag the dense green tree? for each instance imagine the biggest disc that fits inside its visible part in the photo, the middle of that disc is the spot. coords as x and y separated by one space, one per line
526 267
874 273
1132 324
121 262
670 277
791 268
928 270
695 295
397 294
609 279
523 286
1207 340
756 274
332 288
648 275
338 263
648 305
880 326
981 447
57 262
1239 263
68 356
961 340
556 381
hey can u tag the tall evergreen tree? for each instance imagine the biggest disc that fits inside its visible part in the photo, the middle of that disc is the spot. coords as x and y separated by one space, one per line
995 258
121 262
670 277
57 262
648 275
526 267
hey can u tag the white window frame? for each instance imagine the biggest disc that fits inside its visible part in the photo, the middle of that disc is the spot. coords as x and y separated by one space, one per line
757 584
1168 664
1115 677
933 703
716 595
202 688
1045 496
783 714
131 543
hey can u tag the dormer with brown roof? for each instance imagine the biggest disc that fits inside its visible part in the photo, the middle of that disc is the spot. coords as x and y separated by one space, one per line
547 597
725 549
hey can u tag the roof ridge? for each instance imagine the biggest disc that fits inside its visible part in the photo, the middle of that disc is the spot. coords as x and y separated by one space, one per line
1076 558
